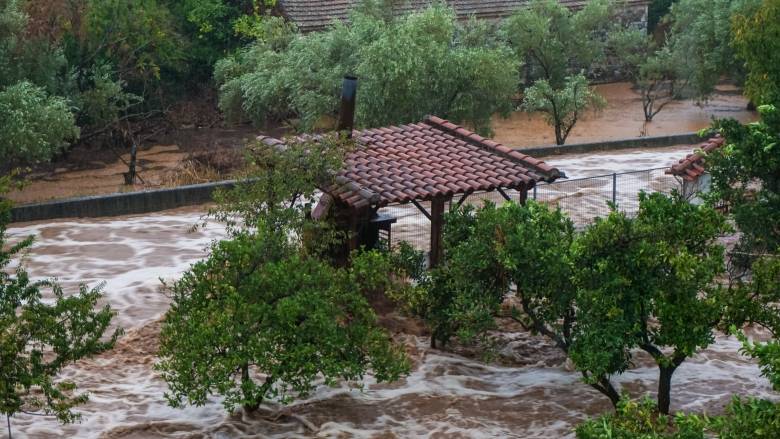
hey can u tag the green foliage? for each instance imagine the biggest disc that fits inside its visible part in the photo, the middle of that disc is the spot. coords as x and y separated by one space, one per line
419 64
748 418
756 39
623 284
257 306
657 72
701 34
42 336
563 106
417 67
139 38
265 315
647 283
558 45
34 126
746 176
640 420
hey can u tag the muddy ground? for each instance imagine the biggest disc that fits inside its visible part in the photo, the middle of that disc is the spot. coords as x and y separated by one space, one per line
177 156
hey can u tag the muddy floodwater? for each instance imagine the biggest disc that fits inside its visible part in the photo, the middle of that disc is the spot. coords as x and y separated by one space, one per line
526 391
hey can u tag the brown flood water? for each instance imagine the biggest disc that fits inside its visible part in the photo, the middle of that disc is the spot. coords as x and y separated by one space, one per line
623 118
527 392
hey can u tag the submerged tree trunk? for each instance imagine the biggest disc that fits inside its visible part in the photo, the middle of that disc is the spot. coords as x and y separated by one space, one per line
665 389
605 387
245 378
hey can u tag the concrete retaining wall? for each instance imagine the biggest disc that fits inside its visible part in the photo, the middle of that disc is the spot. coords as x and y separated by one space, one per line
119 204
639 142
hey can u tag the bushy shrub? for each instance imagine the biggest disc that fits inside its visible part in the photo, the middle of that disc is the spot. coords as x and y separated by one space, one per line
34 127
640 420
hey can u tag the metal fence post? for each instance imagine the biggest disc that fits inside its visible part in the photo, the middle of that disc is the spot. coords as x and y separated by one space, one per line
534 192
614 188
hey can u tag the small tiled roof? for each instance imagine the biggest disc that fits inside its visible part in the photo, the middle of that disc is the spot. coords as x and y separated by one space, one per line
313 15
433 158
692 166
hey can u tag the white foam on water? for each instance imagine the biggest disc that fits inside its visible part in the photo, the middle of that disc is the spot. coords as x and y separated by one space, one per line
445 395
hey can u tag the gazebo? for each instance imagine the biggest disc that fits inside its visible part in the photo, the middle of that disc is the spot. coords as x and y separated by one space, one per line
435 161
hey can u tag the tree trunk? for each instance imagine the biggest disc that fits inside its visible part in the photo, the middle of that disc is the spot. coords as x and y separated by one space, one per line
8 421
664 389
605 387
249 407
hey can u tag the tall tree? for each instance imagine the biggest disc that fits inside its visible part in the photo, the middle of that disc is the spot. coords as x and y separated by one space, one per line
558 46
756 38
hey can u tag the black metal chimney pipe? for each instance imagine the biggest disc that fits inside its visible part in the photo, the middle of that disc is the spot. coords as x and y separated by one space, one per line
348 98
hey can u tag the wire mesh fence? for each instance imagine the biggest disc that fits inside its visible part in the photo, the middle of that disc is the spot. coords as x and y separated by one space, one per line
583 200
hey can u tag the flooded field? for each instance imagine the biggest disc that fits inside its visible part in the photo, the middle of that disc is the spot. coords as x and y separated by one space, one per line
623 118
528 391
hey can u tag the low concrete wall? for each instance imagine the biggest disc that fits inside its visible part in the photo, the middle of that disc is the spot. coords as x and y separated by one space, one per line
163 199
639 142
119 204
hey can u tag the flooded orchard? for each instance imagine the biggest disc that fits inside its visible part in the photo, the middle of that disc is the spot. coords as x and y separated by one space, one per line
527 390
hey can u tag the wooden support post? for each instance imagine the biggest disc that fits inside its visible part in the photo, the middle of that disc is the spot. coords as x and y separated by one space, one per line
437 230
524 194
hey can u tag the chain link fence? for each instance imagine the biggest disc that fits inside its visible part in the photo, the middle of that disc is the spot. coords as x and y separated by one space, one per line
582 199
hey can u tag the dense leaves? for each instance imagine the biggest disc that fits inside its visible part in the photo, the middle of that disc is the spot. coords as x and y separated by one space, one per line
646 282
258 320
418 64
34 126
756 39
559 45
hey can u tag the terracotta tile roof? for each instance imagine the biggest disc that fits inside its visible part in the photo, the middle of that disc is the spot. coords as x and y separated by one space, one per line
692 166
312 15
433 158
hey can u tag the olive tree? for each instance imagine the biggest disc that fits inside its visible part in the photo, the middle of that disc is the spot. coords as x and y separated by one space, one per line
43 335
421 63
558 46
700 33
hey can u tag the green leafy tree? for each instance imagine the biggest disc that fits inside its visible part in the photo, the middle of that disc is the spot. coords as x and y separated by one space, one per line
34 126
648 283
418 64
701 33
139 39
417 67
461 297
266 315
558 45
41 336
562 106
746 177
655 71
756 39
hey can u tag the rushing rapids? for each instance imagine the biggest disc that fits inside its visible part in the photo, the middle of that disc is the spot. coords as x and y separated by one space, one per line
527 390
